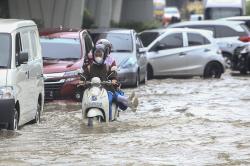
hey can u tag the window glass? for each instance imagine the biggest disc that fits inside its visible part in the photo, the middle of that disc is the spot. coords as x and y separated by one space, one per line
5 50
148 37
121 42
59 48
195 39
34 43
224 31
172 41
26 45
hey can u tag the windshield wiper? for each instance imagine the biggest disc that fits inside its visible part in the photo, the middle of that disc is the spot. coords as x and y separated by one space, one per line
120 50
68 59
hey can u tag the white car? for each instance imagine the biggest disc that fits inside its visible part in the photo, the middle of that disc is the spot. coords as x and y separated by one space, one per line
183 52
21 66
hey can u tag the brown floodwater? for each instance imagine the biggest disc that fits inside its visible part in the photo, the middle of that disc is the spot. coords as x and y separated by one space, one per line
178 122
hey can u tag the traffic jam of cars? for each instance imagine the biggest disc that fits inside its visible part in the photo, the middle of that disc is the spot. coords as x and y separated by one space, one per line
44 65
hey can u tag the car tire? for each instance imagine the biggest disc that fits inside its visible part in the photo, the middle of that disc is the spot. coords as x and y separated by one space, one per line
38 114
213 70
137 80
150 73
13 124
228 60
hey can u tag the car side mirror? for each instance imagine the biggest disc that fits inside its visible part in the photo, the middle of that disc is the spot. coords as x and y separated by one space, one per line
142 50
23 58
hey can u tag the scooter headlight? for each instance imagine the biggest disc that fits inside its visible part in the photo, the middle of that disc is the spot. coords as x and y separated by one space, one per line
95 91
6 92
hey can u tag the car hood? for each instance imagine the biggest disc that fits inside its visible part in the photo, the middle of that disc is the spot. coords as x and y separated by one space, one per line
58 66
121 58
3 75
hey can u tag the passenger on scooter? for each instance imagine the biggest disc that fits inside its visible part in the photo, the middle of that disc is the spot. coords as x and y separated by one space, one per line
99 69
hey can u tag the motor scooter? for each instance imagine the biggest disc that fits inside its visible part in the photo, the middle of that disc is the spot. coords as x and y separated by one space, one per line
95 103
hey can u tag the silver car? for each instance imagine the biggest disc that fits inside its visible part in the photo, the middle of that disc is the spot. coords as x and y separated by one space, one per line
125 50
228 34
183 52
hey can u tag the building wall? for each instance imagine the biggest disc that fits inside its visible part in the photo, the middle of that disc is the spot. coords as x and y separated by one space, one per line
137 10
49 13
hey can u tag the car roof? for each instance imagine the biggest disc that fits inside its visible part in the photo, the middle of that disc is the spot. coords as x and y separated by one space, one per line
176 30
239 18
9 25
208 22
110 30
60 32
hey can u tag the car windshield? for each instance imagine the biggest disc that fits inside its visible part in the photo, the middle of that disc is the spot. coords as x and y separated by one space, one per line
61 48
171 10
120 42
148 37
5 50
215 13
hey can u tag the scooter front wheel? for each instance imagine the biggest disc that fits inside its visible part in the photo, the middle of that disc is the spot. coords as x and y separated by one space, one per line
90 122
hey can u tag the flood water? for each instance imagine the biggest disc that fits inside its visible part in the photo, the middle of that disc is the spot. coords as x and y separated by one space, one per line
178 122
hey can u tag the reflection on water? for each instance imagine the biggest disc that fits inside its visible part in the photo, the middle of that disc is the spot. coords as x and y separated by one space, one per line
179 122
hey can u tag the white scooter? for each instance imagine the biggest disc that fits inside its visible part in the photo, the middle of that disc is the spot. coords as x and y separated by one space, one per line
95 103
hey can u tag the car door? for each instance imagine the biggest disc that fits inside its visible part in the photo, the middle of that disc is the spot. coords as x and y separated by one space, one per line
197 50
31 98
141 58
22 80
167 56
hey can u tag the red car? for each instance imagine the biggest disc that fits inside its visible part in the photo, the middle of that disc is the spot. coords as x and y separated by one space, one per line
63 52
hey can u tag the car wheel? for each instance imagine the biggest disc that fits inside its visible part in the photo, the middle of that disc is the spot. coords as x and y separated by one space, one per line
13 124
145 78
38 114
227 59
213 70
150 73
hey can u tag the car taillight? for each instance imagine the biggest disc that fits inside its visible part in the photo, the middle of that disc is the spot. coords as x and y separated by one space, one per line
245 38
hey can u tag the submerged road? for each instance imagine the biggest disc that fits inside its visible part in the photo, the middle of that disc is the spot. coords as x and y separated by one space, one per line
178 122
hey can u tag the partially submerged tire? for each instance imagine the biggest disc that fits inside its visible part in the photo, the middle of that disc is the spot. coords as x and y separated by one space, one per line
90 122
38 114
150 74
213 70
13 124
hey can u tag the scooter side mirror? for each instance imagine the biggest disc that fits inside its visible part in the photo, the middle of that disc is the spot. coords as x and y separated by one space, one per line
82 76
114 68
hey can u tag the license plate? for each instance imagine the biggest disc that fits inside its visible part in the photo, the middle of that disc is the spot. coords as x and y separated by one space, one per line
94 104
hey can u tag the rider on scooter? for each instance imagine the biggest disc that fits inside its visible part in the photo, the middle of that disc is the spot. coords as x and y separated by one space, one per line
99 69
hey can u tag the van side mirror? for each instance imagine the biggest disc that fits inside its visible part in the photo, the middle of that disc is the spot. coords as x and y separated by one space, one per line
23 58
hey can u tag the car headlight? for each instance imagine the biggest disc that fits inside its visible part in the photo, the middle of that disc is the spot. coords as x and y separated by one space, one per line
72 74
130 62
6 92
245 50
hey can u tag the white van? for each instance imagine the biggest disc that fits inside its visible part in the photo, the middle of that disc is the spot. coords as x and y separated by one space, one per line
21 77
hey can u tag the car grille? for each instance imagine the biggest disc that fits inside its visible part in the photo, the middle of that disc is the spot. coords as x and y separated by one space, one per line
52 90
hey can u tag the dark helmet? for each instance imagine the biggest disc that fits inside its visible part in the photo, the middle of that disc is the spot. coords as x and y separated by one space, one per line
106 43
99 53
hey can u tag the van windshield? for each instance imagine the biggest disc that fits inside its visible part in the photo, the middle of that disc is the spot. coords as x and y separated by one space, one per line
61 48
5 50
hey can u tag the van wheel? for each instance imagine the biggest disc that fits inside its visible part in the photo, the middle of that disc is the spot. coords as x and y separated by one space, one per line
213 70
13 125
38 114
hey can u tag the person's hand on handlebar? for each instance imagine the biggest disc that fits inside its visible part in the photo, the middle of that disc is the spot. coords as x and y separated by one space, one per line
114 82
